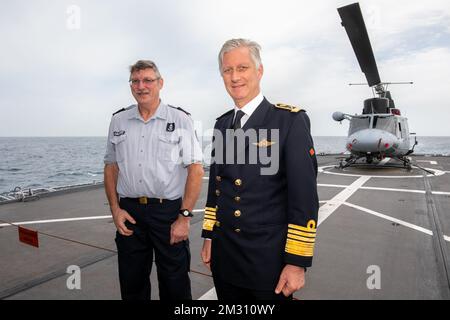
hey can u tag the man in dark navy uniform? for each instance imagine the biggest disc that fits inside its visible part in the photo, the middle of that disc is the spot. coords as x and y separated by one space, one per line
261 216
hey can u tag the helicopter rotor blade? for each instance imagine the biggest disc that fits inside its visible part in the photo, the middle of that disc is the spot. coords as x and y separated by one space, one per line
353 22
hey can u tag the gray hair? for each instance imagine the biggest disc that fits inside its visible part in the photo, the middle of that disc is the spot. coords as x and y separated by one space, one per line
144 64
253 47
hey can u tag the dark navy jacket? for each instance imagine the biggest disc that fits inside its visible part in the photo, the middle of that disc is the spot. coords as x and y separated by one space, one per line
259 223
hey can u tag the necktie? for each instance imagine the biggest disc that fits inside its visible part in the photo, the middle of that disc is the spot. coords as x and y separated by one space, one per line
237 120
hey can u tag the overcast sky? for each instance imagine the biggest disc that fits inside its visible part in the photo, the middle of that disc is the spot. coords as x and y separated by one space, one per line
64 64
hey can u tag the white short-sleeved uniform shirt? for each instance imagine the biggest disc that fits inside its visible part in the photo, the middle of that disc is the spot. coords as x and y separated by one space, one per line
152 155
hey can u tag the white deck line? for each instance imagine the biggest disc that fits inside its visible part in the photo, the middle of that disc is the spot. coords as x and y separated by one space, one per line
326 210
441 193
406 190
331 185
385 189
401 222
436 174
21 223
427 161
393 189
386 217
54 220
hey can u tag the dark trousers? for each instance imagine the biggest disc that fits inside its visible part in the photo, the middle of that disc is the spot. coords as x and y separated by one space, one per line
151 234
227 291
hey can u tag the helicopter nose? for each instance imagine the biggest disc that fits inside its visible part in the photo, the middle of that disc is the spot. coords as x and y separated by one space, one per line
370 141
384 144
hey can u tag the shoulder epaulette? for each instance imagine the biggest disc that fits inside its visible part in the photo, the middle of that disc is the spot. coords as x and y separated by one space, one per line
123 109
178 108
118 111
225 114
288 107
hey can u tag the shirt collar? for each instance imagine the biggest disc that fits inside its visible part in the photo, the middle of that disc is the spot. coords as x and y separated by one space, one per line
134 113
161 112
250 107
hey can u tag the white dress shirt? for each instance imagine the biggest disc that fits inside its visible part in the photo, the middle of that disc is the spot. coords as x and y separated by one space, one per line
249 108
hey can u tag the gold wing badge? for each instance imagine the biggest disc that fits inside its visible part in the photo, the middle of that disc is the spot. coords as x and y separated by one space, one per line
264 143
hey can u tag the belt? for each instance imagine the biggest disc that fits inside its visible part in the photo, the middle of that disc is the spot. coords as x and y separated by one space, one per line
145 200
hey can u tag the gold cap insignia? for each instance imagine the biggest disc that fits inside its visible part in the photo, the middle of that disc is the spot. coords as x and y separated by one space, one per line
264 143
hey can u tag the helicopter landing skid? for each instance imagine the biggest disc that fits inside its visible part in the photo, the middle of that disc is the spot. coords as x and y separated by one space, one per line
405 162
408 165
344 163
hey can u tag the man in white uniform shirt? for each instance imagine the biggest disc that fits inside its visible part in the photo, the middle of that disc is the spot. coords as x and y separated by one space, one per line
153 177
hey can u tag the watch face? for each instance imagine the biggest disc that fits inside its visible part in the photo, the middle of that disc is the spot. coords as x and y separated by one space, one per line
185 213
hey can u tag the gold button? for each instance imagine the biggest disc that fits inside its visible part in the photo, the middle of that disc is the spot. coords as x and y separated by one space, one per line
217 223
238 182
219 178
237 198
237 213
237 230
217 192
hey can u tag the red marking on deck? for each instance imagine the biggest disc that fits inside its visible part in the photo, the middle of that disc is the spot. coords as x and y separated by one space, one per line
29 237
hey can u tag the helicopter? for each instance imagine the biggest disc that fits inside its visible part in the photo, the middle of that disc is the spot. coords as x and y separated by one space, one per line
380 133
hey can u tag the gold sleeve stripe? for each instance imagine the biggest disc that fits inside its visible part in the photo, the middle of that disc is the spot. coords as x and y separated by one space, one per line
290 236
311 227
210 217
210 209
299 248
208 225
302 253
294 244
213 213
304 234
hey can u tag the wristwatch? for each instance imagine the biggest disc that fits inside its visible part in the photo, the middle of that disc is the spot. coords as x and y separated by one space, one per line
186 213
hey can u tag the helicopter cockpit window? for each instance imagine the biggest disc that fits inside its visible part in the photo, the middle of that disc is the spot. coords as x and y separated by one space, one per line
357 124
385 123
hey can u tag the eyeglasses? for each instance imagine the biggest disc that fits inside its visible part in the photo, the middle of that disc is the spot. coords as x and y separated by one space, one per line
146 81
